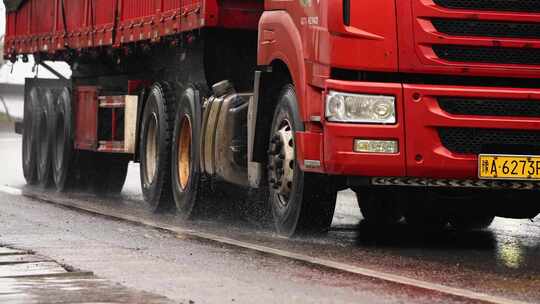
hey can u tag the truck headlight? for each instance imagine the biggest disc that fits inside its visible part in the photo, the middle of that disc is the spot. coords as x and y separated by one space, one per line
360 108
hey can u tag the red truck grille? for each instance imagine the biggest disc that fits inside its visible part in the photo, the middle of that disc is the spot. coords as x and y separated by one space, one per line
473 140
494 46
496 5
489 107
488 54
452 34
526 30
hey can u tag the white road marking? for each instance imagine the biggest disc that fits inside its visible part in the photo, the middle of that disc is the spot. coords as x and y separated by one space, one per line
389 277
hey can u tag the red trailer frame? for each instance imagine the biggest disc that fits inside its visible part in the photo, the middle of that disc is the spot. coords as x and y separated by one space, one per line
55 25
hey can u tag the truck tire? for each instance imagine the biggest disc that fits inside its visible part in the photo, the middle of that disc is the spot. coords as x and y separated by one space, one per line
155 147
64 171
185 168
45 121
471 221
424 210
301 202
29 143
378 207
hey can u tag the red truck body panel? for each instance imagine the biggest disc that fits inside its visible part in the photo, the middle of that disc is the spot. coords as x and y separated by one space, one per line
312 40
53 25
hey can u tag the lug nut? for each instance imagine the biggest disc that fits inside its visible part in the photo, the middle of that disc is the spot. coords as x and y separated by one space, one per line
272 181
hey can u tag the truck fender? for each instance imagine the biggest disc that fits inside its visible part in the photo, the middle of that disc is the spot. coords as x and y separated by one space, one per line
280 41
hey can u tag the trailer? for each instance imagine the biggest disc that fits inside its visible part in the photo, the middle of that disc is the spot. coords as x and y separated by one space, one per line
428 109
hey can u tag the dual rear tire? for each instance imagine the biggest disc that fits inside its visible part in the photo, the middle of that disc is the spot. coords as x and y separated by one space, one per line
301 203
49 157
36 142
169 155
188 185
154 148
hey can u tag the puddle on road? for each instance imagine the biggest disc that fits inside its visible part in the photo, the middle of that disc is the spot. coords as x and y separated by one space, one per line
28 278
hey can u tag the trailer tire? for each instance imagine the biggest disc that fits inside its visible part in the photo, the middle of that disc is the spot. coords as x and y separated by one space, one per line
155 147
185 170
29 138
301 202
45 121
64 171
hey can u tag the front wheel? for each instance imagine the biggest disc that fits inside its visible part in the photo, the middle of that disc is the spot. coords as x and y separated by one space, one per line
301 202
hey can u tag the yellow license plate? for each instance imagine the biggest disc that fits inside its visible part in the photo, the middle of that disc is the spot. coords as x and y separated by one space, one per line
517 167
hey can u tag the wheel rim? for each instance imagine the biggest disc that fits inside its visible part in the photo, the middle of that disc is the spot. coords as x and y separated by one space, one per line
282 162
151 149
60 142
184 152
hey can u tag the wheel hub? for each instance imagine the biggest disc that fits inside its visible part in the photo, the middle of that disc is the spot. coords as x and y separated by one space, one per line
151 149
281 161
184 152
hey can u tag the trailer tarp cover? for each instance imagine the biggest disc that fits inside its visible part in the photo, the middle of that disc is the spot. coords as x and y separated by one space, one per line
13 5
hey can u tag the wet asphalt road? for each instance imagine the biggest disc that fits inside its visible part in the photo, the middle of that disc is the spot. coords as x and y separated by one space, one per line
503 260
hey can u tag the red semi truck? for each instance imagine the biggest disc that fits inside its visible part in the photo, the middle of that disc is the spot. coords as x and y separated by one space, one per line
427 109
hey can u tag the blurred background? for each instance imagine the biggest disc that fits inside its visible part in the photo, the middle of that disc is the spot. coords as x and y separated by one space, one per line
12 76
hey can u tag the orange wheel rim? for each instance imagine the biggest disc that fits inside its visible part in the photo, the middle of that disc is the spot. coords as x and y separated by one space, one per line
184 152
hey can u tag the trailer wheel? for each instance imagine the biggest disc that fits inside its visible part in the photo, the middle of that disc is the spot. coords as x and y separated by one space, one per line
45 121
62 147
185 169
29 144
471 221
301 202
155 147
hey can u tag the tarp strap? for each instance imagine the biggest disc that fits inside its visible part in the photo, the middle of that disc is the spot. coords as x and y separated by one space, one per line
115 22
65 22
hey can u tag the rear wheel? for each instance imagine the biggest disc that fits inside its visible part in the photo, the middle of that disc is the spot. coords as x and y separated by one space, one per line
45 122
64 173
29 144
301 202
185 169
155 147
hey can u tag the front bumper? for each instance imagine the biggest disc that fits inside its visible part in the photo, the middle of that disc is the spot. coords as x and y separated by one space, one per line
420 118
